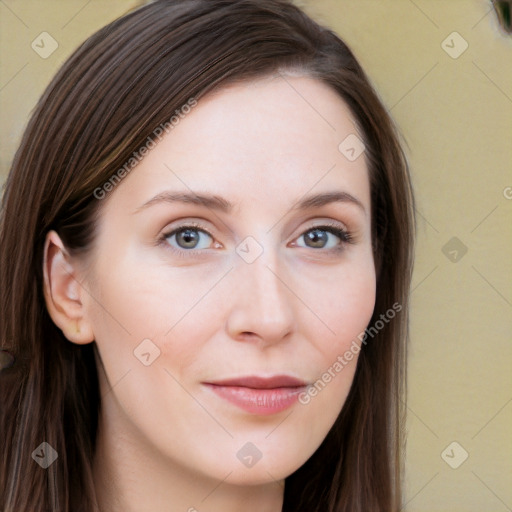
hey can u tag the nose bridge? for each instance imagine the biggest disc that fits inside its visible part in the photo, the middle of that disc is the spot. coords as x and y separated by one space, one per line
262 303
269 289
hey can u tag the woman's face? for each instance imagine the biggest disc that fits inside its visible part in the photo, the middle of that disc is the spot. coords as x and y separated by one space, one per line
232 266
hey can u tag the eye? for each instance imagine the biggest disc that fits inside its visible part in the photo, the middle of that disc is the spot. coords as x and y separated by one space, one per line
189 237
324 237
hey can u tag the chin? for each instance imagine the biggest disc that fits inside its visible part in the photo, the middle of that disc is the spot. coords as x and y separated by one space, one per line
261 463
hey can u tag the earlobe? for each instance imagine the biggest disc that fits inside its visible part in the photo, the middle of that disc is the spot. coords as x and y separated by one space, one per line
63 292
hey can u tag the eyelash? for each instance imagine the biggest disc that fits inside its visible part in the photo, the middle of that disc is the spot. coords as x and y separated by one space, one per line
184 252
344 236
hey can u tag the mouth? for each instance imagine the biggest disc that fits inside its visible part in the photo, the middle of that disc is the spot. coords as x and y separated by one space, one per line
259 395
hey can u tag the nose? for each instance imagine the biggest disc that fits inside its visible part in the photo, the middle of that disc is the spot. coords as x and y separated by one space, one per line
261 306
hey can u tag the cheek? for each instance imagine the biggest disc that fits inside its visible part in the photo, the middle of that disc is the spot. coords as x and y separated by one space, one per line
343 302
138 301
346 304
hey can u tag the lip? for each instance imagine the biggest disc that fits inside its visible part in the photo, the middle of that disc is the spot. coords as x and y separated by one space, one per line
259 395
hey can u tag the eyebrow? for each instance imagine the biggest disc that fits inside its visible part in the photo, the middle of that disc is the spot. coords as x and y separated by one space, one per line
218 203
318 200
209 201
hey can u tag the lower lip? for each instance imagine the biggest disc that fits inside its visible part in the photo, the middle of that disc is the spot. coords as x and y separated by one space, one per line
259 401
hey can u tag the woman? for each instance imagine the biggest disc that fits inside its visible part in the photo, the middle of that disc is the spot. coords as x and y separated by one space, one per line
206 248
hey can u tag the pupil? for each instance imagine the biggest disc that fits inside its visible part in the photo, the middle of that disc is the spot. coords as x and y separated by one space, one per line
316 238
187 238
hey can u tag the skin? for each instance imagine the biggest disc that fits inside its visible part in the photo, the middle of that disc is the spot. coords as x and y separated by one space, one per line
166 442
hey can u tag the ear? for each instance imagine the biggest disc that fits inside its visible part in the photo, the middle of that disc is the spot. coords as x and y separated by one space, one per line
63 292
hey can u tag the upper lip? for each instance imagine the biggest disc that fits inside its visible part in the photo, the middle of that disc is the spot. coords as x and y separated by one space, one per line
256 382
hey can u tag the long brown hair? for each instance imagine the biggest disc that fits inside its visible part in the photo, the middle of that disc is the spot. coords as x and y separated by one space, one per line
123 82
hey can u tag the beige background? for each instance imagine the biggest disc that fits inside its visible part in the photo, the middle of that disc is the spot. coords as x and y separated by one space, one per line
456 117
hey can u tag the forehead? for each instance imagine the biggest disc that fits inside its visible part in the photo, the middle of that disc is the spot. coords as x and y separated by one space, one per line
270 139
